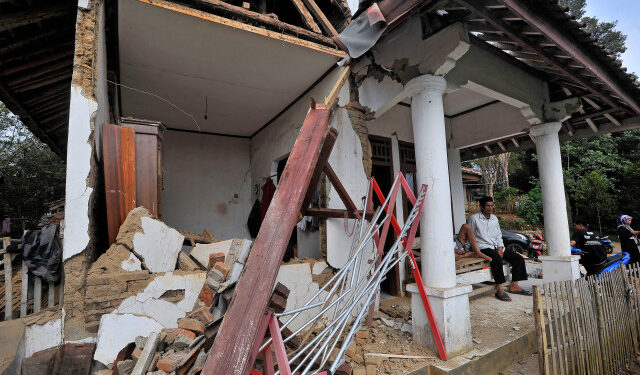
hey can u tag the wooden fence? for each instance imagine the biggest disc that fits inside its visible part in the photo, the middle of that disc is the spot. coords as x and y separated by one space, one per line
588 326
30 297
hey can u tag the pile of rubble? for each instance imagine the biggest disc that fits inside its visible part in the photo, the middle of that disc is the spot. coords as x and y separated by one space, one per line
147 284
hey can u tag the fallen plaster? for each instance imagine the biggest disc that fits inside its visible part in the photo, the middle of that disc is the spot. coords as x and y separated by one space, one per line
298 277
42 336
131 264
158 246
149 303
76 237
233 250
118 330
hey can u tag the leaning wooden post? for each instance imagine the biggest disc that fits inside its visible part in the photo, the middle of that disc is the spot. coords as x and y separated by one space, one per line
231 351
600 322
8 280
538 314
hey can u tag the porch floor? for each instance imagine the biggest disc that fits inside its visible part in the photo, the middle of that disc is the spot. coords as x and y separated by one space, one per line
493 324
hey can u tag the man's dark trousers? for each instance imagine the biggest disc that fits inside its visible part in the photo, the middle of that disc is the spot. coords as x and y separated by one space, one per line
518 269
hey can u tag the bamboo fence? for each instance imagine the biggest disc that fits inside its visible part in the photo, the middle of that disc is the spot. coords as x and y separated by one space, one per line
588 326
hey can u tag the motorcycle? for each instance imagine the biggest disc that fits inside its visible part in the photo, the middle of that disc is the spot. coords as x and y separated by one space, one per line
535 246
611 263
606 242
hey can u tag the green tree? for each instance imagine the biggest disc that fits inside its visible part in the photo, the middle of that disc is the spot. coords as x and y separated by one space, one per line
604 33
594 195
31 175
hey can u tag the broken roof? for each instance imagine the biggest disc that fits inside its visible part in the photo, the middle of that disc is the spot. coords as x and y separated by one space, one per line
37 53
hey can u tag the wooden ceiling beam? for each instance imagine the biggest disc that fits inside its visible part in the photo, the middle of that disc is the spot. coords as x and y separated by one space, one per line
57 77
306 16
320 16
516 35
24 42
28 76
572 47
49 58
12 20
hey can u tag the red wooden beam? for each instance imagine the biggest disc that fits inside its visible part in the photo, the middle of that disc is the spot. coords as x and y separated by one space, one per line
342 192
231 351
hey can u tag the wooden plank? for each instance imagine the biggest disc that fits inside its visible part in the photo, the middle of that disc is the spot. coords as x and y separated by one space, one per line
335 213
231 352
24 292
247 15
340 189
562 338
118 153
538 318
37 294
8 281
552 327
319 15
307 18
571 329
335 91
148 140
51 294
147 355
322 160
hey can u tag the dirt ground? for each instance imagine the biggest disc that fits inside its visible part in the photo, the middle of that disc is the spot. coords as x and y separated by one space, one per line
493 323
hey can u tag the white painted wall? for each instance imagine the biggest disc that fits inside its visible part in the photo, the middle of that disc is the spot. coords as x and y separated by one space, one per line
277 140
202 173
397 119
346 160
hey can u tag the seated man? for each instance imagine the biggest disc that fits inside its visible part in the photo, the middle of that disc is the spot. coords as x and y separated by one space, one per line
466 246
489 237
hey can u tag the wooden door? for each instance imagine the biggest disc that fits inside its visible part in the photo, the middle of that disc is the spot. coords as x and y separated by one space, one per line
118 156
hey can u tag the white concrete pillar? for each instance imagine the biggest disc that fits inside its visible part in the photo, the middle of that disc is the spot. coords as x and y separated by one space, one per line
427 114
457 188
559 264
449 302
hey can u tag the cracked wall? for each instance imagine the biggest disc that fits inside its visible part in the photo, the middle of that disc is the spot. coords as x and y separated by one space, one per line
84 191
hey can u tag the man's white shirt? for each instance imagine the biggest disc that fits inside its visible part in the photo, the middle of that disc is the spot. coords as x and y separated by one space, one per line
487 231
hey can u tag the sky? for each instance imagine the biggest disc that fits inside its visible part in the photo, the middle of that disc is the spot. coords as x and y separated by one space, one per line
627 12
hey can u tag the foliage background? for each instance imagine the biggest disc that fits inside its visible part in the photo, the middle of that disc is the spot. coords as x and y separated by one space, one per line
31 175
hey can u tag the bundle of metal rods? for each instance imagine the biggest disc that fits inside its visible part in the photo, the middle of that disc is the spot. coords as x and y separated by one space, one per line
346 297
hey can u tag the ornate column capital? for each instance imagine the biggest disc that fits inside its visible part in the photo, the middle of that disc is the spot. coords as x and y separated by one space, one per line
546 128
425 83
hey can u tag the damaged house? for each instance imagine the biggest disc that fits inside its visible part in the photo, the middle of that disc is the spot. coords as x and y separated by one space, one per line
189 110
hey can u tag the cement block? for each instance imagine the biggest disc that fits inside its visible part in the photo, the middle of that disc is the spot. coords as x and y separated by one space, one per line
117 330
158 245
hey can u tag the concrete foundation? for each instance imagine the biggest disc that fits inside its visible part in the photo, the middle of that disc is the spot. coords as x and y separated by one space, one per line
449 303
560 268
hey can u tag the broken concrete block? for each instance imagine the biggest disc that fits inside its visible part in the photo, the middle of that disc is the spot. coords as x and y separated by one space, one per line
186 263
157 245
125 367
192 325
170 361
235 249
203 315
131 225
215 275
117 330
180 343
131 264
149 302
140 342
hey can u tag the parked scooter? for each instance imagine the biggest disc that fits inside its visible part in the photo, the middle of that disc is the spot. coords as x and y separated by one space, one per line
611 263
535 246
606 242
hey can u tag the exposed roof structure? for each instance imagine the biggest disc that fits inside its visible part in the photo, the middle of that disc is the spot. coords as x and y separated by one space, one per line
543 36
36 62
36 54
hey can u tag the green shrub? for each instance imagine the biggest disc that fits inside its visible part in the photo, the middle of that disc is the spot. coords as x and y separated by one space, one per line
531 208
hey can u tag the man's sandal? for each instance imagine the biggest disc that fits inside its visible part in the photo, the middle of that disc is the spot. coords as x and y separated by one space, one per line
524 292
503 297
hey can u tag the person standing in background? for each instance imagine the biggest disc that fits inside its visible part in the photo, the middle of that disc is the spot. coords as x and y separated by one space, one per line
628 238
